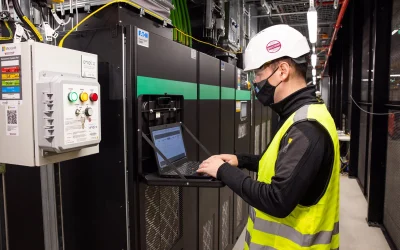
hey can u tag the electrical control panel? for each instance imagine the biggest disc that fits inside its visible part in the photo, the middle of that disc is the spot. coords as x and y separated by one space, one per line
50 101
76 124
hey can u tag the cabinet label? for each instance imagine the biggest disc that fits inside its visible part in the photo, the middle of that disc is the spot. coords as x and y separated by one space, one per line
143 38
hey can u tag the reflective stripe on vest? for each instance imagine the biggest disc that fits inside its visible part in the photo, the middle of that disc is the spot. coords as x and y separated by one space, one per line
315 227
304 240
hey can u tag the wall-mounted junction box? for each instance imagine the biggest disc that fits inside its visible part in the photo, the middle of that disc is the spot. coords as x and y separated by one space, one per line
49 104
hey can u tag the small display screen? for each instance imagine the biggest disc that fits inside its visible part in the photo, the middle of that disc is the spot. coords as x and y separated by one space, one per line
170 142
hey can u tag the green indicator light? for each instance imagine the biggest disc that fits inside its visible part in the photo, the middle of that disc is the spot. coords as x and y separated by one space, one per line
72 97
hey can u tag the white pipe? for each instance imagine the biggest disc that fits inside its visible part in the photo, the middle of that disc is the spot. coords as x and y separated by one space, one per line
71 11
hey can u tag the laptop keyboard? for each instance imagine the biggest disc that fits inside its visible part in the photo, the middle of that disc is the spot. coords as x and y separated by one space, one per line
188 168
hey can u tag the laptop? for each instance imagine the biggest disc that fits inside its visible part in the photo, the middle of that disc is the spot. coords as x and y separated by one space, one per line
169 140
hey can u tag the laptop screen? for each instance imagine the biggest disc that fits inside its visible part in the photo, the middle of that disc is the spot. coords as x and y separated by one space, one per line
170 142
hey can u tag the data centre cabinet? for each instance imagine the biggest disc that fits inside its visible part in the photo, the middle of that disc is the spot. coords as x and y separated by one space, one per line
141 215
242 121
209 75
114 200
227 146
117 189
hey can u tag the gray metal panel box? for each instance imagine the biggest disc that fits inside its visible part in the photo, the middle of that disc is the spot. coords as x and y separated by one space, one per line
43 121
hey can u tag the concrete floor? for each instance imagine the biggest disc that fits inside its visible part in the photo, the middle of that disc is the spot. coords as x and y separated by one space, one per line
354 231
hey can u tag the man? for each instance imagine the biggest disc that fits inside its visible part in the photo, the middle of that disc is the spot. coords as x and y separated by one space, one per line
295 200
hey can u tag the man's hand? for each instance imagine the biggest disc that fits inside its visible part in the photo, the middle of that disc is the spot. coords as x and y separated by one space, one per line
211 166
231 159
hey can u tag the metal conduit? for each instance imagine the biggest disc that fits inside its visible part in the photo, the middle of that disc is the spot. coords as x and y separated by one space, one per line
337 26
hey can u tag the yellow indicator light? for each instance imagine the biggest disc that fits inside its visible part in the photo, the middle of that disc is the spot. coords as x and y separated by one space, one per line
84 97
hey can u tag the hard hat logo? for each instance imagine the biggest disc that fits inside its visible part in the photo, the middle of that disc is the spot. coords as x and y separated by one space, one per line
274 46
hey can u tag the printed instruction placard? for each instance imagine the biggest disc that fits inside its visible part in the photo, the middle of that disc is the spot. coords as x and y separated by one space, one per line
89 66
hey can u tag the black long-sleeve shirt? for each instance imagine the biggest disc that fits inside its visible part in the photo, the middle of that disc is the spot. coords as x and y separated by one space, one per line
302 169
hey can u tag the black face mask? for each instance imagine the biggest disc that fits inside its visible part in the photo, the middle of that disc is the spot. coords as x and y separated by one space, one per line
265 91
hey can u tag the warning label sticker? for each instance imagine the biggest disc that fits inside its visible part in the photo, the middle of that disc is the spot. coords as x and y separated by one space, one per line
10 83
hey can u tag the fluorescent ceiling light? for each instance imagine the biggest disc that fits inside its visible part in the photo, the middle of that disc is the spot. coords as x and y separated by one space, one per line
394 75
314 78
312 20
314 72
364 80
314 60
313 48
394 32
318 77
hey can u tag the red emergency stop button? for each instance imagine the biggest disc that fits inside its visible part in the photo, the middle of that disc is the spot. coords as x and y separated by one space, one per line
94 97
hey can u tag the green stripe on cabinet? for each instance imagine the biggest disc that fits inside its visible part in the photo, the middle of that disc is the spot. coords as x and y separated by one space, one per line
157 86
227 93
209 92
242 95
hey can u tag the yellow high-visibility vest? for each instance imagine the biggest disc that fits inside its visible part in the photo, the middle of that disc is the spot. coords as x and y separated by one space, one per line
315 227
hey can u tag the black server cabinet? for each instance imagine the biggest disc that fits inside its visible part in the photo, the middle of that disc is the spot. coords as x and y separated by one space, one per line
103 195
227 146
257 127
256 134
93 187
242 144
209 136
267 127
168 214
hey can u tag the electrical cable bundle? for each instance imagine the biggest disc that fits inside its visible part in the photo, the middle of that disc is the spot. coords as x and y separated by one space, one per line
10 36
180 19
177 31
26 21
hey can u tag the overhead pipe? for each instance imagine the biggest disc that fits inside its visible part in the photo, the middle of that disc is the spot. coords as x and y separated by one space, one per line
282 14
337 26
281 3
319 24
328 3
300 12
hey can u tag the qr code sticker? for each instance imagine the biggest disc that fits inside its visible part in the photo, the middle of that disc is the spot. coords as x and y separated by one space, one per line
12 117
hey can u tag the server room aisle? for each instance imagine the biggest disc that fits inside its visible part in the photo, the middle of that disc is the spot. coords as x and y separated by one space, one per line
354 231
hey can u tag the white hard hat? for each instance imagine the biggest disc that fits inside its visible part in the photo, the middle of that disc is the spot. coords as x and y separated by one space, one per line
275 42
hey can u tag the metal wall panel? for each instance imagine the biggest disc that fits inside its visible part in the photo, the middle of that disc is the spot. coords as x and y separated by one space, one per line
362 154
391 218
24 208
366 53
